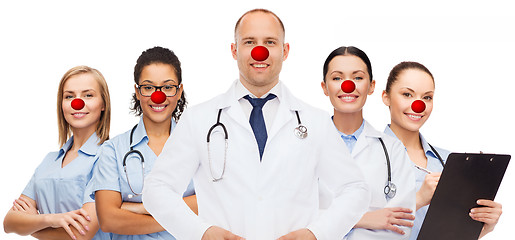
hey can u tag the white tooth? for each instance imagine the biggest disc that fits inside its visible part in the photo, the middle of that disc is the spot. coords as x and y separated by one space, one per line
259 65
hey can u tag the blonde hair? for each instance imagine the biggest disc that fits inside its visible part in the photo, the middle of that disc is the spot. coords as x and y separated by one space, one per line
105 117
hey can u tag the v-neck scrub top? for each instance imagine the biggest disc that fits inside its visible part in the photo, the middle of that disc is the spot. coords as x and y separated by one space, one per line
58 189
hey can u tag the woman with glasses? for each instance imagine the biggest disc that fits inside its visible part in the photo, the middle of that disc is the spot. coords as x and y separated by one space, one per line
56 203
126 159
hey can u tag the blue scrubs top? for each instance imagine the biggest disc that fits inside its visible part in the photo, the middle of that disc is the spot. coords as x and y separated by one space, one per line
433 165
59 189
109 173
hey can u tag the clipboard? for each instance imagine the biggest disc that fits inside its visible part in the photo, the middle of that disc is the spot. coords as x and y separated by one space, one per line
466 178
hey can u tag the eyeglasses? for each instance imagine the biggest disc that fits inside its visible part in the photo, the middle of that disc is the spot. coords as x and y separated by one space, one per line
147 90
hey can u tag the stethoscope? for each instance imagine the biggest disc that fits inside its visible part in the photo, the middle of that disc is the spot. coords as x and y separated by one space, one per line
133 151
300 132
390 189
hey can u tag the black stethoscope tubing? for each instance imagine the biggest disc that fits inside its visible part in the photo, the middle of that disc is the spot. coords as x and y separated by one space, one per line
124 164
300 132
390 189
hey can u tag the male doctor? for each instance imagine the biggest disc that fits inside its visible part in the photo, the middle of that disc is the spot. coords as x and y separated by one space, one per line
263 182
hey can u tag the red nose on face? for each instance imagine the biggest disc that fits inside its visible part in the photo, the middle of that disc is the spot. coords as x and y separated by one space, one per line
418 106
259 53
78 104
158 97
348 86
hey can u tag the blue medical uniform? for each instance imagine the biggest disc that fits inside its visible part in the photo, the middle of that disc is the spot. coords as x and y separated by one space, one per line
109 173
59 189
433 165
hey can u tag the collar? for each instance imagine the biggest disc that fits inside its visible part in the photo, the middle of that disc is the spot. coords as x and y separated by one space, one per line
425 144
141 133
356 134
241 91
238 91
426 147
90 147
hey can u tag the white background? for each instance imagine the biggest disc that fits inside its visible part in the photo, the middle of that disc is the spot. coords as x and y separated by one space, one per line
468 45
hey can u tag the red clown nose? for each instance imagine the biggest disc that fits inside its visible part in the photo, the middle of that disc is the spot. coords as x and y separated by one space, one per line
348 86
259 53
418 106
158 97
78 104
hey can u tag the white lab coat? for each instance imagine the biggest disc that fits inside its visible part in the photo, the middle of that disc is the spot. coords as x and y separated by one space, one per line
370 157
256 200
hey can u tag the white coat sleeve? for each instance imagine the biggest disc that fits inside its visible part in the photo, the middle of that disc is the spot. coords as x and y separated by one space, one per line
344 178
164 186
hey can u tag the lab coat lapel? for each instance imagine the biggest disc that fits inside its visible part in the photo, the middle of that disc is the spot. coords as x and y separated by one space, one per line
368 134
361 144
232 108
285 113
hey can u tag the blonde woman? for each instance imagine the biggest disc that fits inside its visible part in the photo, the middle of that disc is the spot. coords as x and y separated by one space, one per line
56 203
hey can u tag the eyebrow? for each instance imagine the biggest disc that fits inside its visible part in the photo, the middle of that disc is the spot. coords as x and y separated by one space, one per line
166 81
411 90
340 72
254 38
87 90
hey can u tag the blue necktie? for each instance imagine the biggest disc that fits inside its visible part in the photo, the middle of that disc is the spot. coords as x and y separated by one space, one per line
257 122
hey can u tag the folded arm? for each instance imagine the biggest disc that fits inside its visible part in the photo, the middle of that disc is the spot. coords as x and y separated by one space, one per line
23 219
113 218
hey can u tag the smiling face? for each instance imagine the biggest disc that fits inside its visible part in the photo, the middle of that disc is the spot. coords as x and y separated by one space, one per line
259 29
82 86
158 74
411 85
347 67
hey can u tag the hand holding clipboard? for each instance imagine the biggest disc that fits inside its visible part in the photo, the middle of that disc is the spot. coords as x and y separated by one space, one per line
465 179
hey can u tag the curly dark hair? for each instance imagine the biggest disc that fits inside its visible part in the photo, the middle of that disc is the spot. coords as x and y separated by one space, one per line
164 56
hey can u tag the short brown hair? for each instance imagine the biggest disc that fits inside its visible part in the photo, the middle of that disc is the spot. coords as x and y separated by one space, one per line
258 10
105 117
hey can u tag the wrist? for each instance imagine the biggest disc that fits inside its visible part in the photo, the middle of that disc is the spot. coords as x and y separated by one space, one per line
45 220
362 222
420 201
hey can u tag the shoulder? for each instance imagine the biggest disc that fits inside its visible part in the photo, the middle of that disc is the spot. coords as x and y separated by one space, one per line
123 137
109 147
444 153
202 108
49 158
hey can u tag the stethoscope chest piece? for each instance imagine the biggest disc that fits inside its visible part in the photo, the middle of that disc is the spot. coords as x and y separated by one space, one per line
301 131
390 190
